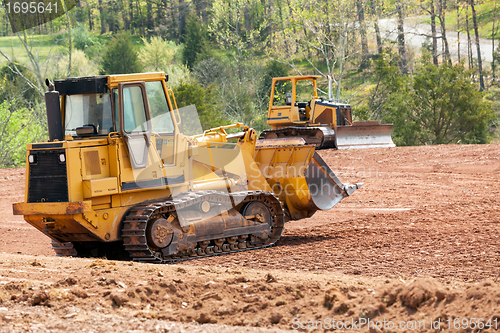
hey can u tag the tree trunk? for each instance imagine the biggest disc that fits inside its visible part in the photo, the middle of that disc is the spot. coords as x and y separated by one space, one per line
91 25
131 15
141 17
246 16
182 20
285 40
101 17
79 12
149 17
197 8
469 48
172 29
125 17
401 37
433 33
493 63
458 29
442 17
478 47
290 14
362 31
308 48
204 15
160 16
377 29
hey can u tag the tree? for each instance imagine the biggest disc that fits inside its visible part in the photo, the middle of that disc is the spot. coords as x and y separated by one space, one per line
387 79
272 69
157 54
362 32
120 56
437 105
16 90
324 33
82 38
375 18
85 41
401 37
18 127
493 34
478 47
432 12
442 21
197 45
25 37
234 28
205 101
236 86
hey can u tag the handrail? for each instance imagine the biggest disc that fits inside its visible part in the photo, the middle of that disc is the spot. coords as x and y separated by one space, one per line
175 105
219 129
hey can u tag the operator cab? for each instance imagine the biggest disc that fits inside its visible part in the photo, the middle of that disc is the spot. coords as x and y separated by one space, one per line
132 106
291 99
90 108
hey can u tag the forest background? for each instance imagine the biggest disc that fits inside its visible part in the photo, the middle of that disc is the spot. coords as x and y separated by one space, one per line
221 55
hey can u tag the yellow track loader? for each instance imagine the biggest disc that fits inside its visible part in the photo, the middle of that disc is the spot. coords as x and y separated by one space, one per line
295 110
127 174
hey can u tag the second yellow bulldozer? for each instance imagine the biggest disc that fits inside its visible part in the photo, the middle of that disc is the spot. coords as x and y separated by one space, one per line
127 174
295 110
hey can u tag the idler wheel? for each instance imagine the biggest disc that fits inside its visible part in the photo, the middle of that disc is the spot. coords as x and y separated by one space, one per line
257 211
271 135
159 233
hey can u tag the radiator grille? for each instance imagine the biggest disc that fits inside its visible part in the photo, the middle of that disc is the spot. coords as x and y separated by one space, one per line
48 177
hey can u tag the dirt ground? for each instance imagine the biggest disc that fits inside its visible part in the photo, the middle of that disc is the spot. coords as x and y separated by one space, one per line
419 241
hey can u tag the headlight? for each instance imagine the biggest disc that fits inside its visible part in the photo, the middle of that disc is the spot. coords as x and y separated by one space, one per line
31 159
62 158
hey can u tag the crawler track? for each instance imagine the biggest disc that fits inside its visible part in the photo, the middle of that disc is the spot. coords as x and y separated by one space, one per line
136 222
321 137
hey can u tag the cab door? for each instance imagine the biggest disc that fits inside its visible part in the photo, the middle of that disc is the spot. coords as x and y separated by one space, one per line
135 126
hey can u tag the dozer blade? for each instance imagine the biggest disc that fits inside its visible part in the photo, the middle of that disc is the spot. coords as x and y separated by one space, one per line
311 135
364 134
325 188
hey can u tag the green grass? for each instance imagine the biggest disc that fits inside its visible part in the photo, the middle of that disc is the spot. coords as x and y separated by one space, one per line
45 46
41 46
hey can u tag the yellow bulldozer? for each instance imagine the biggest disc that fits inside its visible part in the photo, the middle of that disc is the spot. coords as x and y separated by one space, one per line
295 110
126 174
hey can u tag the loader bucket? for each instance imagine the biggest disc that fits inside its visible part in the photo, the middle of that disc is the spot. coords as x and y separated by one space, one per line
299 176
364 134
325 188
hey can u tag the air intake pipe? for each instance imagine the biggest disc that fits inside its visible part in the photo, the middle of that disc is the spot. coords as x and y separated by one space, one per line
53 107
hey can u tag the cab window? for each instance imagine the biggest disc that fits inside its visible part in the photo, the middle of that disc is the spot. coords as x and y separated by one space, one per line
161 117
90 110
134 114
282 93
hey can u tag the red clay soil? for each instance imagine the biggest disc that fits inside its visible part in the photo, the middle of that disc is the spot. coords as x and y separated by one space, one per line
419 240
423 211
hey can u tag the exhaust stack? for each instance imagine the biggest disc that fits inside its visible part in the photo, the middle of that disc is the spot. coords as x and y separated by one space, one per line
54 119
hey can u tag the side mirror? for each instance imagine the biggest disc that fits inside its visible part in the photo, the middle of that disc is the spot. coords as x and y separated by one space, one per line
86 130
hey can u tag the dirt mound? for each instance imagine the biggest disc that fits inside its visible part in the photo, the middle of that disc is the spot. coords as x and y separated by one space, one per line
215 295
419 291
377 255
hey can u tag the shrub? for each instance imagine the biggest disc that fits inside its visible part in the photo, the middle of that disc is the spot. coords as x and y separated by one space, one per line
17 128
157 54
120 56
